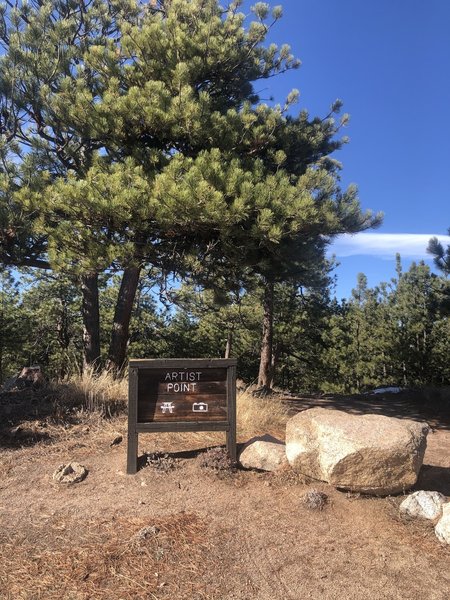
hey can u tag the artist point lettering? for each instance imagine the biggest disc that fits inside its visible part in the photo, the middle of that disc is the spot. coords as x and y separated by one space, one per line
182 381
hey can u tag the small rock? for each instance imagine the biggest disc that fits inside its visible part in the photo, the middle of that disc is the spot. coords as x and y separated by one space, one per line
71 473
16 431
265 453
315 500
425 505
442 528
30 377
144 534
117 440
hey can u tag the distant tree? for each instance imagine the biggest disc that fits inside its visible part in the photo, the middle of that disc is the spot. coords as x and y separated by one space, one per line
441 256
415 309
393 334
301 324
50 307
13 326
354 349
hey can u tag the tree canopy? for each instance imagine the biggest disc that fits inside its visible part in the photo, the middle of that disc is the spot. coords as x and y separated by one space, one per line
132 135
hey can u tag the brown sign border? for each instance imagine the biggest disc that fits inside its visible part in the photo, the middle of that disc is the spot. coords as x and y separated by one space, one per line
134 427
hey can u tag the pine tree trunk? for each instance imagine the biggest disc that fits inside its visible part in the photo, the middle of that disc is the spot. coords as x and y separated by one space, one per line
91 320
1 348
229 343
122 317
2 318
265 376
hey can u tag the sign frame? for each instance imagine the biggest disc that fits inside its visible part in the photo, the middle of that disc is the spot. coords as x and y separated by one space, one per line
135 427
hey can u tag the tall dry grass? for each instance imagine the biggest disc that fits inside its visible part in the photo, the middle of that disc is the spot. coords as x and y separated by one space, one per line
259 415
93 391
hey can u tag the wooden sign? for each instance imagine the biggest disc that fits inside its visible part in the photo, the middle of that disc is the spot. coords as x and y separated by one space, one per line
181 395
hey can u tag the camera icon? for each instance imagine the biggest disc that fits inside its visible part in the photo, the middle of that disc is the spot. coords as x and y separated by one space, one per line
199 407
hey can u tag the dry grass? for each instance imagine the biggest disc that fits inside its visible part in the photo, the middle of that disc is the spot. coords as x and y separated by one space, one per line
126 559
256 416
94 391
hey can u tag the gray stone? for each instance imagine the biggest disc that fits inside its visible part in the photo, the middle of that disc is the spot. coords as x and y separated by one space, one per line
71 473
370 454
442 528
265 453
424 505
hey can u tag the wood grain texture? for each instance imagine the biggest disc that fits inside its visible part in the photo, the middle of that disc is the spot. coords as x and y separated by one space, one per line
132 446
198 408
231 409
182 394
180 375
182 426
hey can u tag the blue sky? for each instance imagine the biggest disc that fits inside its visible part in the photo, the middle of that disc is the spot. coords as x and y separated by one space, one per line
389 61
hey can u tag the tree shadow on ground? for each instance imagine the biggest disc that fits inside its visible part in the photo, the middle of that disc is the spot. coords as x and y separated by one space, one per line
434 479
143 459
24 413
432 406
161 460
19 437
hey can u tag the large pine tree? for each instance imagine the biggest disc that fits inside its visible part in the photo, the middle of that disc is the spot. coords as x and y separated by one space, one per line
97 99
134 136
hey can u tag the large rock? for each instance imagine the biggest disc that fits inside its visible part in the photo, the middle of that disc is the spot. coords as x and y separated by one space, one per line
424 505
371 454
442 528
265 453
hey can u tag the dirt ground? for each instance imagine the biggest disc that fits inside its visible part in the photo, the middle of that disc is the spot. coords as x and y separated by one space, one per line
179 531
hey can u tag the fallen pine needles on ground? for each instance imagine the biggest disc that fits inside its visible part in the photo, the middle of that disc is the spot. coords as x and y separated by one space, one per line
131 560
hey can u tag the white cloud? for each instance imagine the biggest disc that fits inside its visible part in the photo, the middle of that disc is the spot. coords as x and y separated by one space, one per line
386 245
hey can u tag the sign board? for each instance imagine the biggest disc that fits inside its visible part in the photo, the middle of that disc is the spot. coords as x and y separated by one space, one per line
179 394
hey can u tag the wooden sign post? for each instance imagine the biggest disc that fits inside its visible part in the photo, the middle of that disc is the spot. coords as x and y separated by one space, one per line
178 395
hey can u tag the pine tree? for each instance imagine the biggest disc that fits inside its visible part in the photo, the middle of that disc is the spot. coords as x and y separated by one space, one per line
441 256
50 307
416 310
98 100
13 326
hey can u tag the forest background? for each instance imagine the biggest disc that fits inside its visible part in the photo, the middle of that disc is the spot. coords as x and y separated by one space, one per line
397 333
156 206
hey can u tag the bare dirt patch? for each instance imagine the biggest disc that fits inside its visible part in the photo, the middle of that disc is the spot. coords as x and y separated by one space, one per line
187 532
